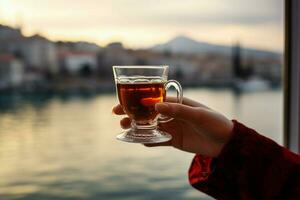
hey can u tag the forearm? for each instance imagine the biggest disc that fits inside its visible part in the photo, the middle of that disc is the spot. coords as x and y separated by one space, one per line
250 166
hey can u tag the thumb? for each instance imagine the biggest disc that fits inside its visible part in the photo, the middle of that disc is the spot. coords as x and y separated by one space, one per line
180 111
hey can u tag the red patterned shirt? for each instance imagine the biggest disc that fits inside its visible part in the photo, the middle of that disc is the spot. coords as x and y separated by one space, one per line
250 166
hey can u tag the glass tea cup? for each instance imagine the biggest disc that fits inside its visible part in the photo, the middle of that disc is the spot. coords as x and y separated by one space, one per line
139 88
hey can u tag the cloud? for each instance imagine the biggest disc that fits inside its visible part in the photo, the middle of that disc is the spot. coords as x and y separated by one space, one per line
215 12
145 21
91 13
215 20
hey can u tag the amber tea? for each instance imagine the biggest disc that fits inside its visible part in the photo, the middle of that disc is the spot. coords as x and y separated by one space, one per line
139 99
139 88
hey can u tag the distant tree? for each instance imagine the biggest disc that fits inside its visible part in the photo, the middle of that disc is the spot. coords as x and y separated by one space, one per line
85 70
236 61
241 71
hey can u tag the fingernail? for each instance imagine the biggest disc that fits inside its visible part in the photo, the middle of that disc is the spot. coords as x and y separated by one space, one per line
162 108
113 110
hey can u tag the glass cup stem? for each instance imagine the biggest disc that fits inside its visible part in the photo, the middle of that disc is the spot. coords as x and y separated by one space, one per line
137 126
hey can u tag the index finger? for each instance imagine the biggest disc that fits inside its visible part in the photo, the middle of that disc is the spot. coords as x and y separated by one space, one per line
187 101
118 110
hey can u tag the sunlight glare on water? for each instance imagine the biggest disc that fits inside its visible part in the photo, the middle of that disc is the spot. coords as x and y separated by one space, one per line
65 148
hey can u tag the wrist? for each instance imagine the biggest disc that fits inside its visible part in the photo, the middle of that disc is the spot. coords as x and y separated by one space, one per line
226 133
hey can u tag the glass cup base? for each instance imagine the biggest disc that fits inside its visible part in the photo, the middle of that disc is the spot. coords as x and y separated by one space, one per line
144 136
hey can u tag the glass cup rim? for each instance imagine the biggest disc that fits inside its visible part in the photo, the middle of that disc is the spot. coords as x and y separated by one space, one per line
140 67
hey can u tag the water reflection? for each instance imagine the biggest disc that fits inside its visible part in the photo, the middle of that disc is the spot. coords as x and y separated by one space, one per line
64 147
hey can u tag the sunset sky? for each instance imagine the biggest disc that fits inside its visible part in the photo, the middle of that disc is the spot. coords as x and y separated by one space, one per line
143 23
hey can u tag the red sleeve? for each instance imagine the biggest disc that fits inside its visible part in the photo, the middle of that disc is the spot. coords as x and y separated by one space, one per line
250 166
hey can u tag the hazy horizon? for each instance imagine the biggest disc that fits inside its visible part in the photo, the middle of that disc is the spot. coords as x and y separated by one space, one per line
141 24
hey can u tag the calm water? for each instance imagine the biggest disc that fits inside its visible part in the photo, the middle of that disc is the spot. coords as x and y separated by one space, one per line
65 148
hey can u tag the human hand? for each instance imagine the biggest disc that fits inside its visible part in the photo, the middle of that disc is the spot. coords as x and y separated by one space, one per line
195 127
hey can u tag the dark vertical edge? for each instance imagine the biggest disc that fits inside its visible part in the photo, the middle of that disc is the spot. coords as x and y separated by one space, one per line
296 21
287 72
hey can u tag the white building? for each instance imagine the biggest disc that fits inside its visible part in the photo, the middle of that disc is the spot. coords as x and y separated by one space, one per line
36 51
73 62
11 72
39 53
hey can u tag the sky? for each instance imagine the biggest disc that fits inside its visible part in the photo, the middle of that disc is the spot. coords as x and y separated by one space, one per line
143 23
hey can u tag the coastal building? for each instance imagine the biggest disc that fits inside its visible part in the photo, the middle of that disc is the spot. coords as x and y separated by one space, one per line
39 53
11 72
74 62
8 32
36 52
8 39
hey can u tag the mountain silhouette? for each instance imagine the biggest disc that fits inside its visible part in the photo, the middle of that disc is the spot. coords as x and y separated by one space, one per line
185 45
